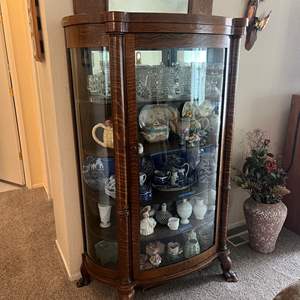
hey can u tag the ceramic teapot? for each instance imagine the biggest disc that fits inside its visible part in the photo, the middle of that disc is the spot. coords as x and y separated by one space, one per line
108 137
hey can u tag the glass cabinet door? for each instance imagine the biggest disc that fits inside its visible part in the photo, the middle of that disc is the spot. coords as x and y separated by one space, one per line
179 96
92 96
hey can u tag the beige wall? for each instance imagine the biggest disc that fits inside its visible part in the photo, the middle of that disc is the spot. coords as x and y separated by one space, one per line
29 99
269 74
58 131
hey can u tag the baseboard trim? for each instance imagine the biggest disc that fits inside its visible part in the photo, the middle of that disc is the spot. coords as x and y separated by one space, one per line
71 277
37 186
42 185
237 224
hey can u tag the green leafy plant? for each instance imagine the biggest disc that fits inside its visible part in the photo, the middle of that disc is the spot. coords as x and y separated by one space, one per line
261 174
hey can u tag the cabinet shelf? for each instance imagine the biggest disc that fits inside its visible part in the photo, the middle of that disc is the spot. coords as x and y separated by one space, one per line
164 234
172 144
173 101
159 197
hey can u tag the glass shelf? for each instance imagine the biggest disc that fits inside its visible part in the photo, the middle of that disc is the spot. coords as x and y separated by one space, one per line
179 124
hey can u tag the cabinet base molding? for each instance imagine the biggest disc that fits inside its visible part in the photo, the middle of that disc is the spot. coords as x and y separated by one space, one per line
126 291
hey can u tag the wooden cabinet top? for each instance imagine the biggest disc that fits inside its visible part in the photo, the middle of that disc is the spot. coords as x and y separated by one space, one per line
122 22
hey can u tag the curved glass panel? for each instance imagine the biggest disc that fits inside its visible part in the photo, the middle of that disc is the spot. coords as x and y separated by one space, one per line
91 82
179 98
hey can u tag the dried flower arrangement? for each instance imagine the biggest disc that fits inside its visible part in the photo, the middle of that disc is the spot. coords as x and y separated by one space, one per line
261 175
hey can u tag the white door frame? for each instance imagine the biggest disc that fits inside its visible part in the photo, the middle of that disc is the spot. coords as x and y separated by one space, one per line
16 90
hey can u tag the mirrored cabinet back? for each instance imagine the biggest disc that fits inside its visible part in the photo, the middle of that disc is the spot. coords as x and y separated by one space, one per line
91 6
153 98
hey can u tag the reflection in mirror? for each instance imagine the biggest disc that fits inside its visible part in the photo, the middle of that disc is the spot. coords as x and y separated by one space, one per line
157 6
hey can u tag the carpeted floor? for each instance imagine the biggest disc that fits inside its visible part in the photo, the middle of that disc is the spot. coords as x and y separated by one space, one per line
30 267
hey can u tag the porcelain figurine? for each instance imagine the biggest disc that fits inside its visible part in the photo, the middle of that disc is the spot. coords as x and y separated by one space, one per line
108 137
147 225
162 216
191 247
155 247
149 210
184 210
155 260
199 209
104 212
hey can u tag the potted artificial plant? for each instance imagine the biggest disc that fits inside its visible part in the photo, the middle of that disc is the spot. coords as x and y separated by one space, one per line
265 181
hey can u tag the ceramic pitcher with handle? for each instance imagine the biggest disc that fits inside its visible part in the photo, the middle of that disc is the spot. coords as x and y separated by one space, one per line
108 136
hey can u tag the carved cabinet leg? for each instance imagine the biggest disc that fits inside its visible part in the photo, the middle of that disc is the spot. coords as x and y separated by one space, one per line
126 292
226 264
85 279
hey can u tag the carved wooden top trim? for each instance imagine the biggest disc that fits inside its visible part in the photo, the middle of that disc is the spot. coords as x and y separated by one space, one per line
121 22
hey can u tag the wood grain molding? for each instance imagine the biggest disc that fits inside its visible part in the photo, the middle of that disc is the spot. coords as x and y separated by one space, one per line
202 7
292 166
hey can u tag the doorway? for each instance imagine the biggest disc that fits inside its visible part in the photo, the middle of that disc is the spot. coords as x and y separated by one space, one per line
11 160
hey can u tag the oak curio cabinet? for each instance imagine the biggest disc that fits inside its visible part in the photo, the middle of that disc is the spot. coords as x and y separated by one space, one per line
153 98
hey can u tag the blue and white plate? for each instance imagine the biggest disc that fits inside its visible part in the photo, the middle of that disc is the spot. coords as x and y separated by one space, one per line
96 170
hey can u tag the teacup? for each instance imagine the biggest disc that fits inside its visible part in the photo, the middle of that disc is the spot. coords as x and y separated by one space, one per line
174 249
161 177
173 223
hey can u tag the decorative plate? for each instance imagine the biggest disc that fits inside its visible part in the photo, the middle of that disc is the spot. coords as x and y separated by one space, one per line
95 171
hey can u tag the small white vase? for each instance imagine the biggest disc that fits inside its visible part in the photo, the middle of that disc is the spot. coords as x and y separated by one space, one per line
104 212
212 199
184 210
199 209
